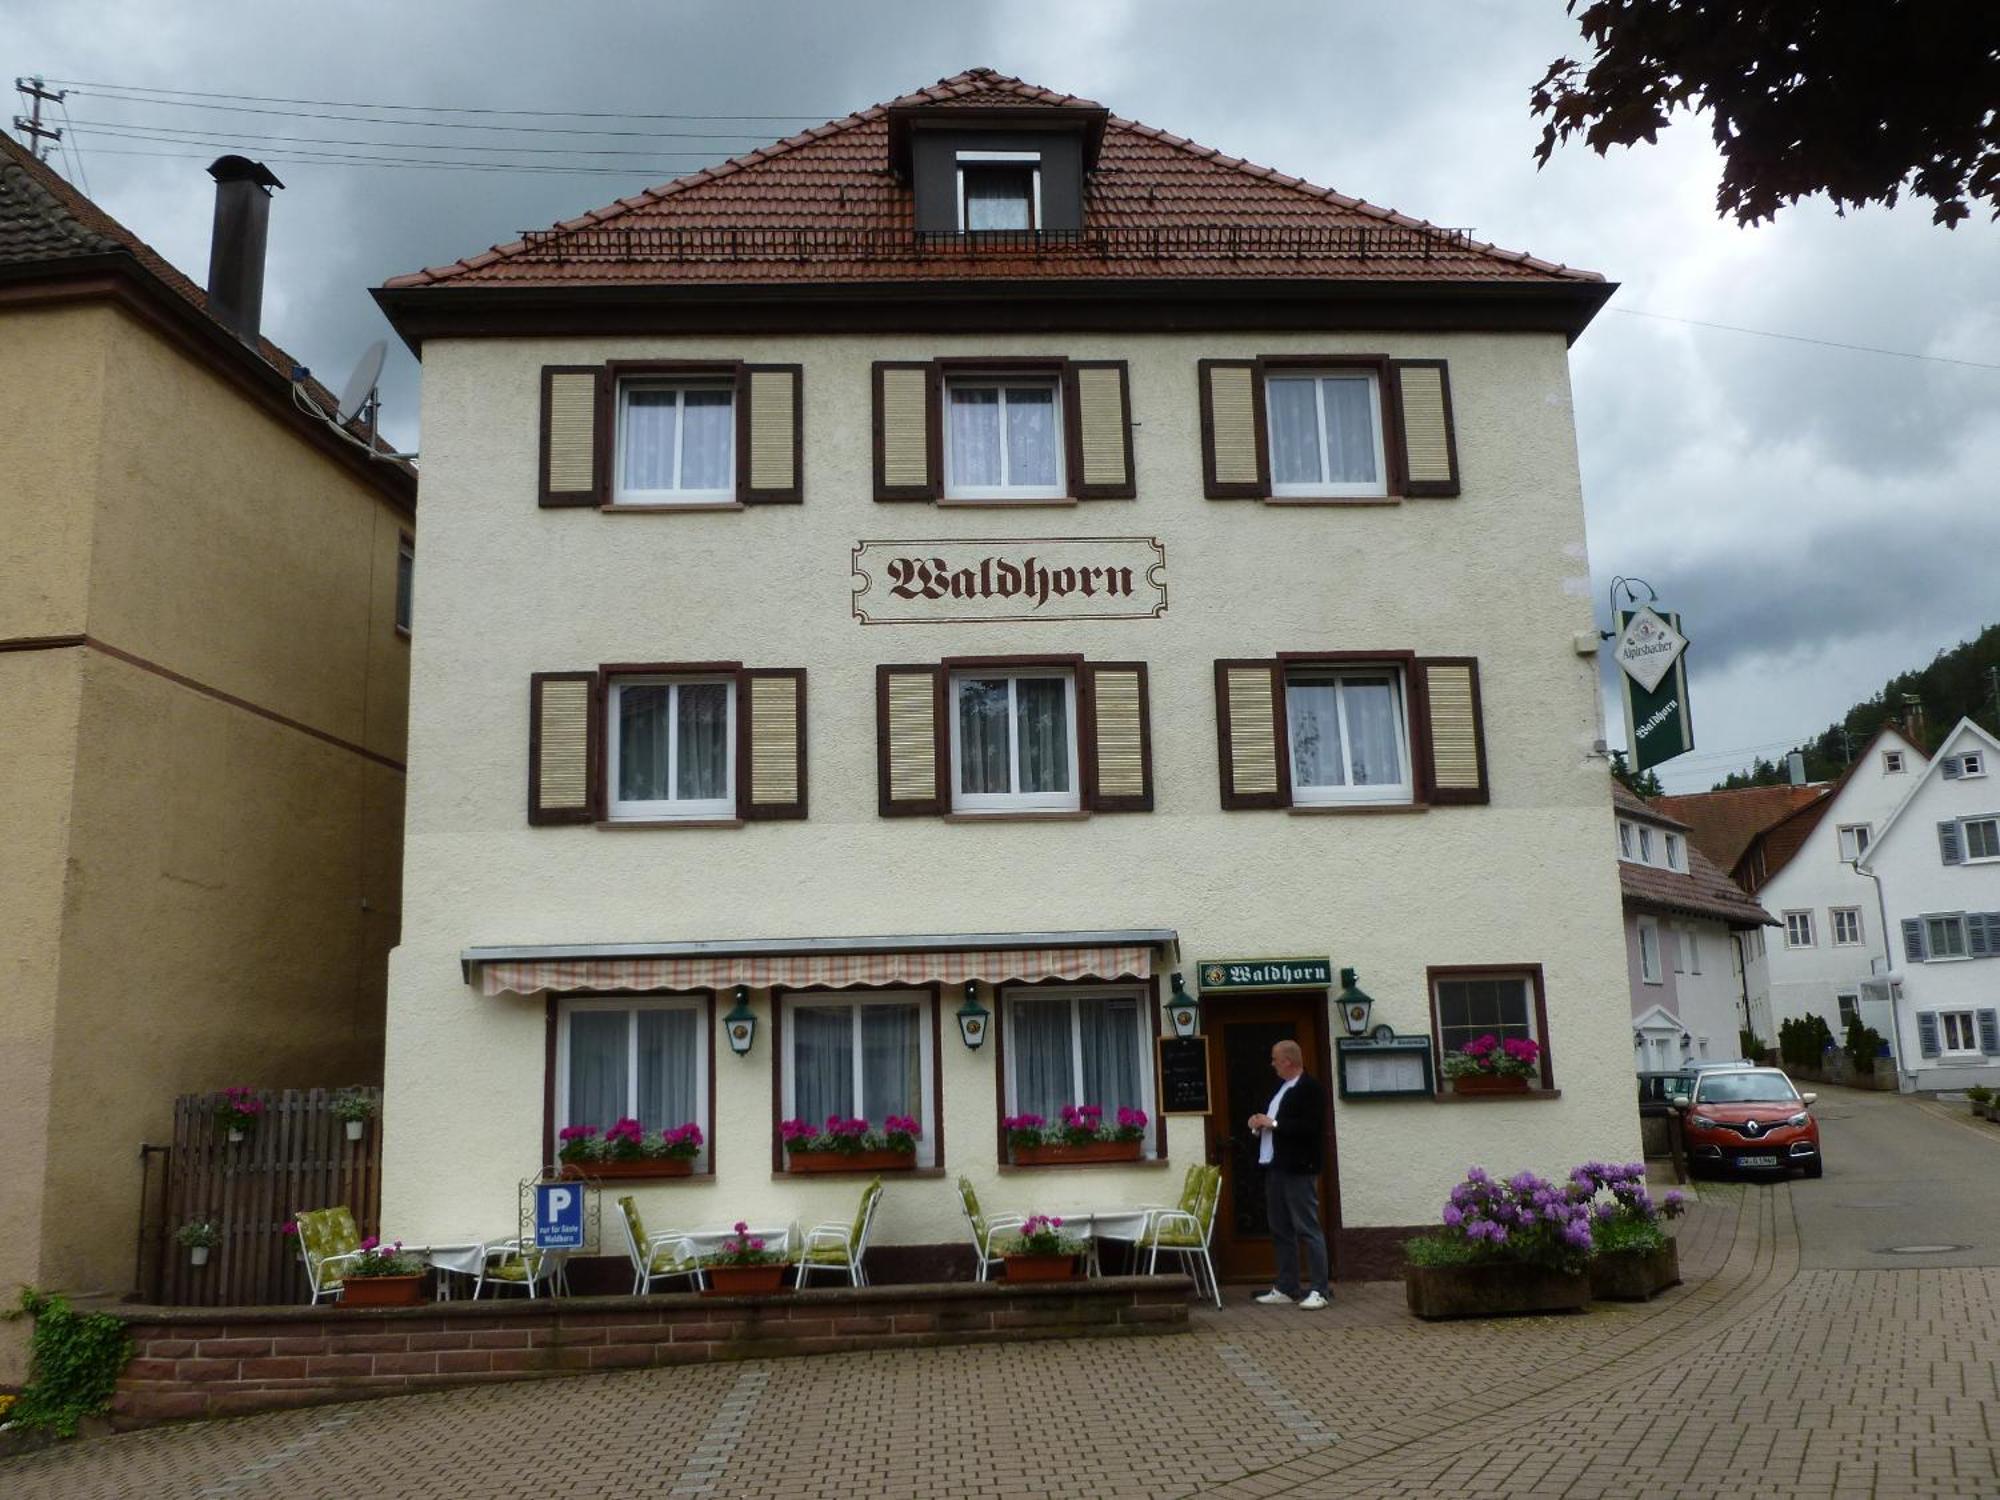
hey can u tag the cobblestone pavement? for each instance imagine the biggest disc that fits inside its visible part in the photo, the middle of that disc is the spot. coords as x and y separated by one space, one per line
1757 1377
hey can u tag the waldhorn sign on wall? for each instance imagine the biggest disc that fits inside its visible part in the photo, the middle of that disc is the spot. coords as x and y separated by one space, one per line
971 581
1651 654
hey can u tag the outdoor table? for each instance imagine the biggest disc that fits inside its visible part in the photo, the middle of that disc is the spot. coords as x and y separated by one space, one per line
461 1258
1129 1225
778 1240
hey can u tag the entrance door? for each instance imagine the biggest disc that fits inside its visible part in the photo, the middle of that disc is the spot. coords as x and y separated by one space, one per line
1242 1084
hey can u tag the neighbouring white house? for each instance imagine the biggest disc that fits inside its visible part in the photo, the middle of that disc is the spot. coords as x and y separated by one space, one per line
1682 916
1937 858
1829 937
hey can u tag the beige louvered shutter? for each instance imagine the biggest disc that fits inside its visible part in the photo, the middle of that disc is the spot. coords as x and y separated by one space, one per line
770 427
1098 400
1423 412
1234 465
1249 703
563 720
1116 710
910 754
1452 758
771 743
906 431
572 456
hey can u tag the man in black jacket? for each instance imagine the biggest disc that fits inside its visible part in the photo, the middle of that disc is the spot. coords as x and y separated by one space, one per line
1292 1130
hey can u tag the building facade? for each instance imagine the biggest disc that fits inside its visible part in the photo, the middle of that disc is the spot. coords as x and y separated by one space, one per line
927 568
201 753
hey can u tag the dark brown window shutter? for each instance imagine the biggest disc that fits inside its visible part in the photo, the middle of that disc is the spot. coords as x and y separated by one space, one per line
565 723
907 443
1235 463
1419 408
1448 731
574 449
1116 738
912 764
770 434
1250 735
771 743
1097 402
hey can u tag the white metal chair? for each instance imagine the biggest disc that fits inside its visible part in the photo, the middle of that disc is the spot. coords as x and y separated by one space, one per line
328 1240
841 1247
660 1257
1187 1232
985 1227
518 1264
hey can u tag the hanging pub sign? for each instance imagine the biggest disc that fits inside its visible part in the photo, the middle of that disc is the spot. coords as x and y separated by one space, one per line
1265 973
1651 654
966 582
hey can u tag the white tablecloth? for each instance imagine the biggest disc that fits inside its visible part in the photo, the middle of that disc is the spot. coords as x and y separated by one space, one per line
778 1240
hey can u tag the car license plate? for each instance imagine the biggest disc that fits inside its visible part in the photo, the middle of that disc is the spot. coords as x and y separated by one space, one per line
1758 1161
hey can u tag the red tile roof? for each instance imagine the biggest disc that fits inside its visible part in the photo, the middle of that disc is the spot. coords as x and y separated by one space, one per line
1704 891
1722 824
822 206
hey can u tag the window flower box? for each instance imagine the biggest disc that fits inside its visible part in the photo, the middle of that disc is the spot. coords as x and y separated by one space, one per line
1052 1153
1488 1065
883 1160
662 1166
1634 1275
849 1145
382 1291
1081 1137
624 1151
1491 1289
1490 1083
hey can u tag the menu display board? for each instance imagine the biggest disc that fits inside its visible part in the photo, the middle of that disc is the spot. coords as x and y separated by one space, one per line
1184 1075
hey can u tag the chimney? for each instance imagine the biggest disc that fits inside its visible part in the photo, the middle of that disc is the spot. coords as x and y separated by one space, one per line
1913 719
1795 768
236 250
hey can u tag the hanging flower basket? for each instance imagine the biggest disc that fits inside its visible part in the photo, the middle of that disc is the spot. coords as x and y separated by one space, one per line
197 1255
850 1161
382 1291
356 1129
1490 1083
1040 1267
1051 1152
745 1281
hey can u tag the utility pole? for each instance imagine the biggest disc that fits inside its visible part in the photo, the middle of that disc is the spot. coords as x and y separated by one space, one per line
1846 748
32 127
1993 684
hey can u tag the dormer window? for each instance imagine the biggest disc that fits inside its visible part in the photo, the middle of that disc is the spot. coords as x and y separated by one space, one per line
999 192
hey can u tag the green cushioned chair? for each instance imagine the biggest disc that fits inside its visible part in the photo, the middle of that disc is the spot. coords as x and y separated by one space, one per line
328 1240
660 1257
985 1228
1186 1232
518 1266
841 1247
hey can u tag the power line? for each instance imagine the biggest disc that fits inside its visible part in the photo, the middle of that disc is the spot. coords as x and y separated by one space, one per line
297 114
135 90
338 159
174 134
1799 338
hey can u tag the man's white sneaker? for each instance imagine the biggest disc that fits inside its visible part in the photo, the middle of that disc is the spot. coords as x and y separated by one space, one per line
1313 1302
1273 1298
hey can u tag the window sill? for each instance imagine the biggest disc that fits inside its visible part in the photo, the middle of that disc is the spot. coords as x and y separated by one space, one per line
899 1172
1147 1164
1333 499
670 822
996 502
1016 817
1538 1096
617 508
1351 809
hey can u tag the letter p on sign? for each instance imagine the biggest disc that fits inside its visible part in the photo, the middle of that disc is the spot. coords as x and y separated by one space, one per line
558 1216
559 1200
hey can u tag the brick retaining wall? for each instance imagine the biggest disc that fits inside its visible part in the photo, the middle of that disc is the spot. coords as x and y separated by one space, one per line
211 1362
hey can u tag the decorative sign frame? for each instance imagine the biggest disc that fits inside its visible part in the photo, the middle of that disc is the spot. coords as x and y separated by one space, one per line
1183 1064
1382 1066
1220 975
977 581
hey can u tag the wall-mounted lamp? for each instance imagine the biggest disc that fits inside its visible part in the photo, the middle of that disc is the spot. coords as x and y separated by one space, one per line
973 1018
1183 1009
1355 1004
740 1025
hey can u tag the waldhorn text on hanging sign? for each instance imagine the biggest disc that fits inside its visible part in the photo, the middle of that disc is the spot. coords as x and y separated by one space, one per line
1658 723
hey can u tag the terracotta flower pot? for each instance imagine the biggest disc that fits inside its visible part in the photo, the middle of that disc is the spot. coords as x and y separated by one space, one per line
1040 1267
850 1161
1490 1083
1634 1275
1049 1154
1492 1289
657 1166
382 1291
745 1281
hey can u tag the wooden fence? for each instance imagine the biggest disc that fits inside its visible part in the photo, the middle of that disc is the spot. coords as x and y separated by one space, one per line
297 1156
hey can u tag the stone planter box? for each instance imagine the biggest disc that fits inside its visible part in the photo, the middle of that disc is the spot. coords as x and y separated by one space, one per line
1635 1275
1495 1289
1052 1154
382 1291
850 1161
606 1171
1490 1083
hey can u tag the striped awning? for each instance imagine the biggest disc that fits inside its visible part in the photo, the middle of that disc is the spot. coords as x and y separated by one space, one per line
798 970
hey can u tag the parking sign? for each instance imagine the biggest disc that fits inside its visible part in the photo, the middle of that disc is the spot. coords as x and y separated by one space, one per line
559 1215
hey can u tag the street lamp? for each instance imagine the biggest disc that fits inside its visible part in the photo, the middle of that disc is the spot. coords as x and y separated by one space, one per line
1183 1009
1354 1004
740 1024
973 1017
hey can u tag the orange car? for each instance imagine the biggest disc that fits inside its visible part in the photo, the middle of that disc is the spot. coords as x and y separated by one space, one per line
1750 1118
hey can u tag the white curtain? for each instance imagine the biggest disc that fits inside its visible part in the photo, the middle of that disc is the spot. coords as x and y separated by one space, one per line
651 420
1294 416
997 199
644 711
1031 435
597 1067
1314 711
1350 430
975 436
1044 1073
1043 706
1369 706
667 1061
891 1063
1110 1035
701 736
822 1062
708 439
983 751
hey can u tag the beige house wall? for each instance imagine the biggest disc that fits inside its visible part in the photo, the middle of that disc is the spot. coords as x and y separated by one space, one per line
510 589
53 369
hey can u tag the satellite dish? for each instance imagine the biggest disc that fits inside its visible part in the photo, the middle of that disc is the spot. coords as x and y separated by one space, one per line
360 387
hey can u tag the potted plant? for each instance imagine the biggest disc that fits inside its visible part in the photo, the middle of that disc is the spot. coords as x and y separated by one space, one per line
1980 1099
238 1110
625 1150
199 1236
352 1108
848 1145
1081 1137
1040 1251
382 1276
742 1266
1487 1065
1635 1256
1518 1246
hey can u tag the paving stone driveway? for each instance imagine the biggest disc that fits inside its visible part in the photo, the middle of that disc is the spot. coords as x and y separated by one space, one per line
1813 1383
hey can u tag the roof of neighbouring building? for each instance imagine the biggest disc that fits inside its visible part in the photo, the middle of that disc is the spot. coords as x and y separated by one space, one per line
1703 891
1722 824
824 206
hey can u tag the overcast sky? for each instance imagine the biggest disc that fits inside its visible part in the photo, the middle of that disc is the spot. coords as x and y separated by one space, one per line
1821 518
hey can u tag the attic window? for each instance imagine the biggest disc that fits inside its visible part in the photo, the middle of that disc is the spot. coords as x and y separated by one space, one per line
999 192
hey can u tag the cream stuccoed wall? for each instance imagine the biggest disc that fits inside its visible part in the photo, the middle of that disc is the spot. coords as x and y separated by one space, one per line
509 589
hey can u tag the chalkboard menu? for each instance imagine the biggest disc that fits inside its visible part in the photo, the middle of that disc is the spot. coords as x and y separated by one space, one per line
1184 1075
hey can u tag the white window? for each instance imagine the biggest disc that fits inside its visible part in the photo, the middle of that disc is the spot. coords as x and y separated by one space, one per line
1798 929
406 578
1624 840
1013 741
1846 926
1003 438
1089 1046
1982 838
864 1057
1853 842
1500 1005
641 1059
1691 950
1850 1007
1649 950
676 442
1326 434
999 191
1892 762
1972 764
1677 938
1944 937
670 747
1956 1032
1350 739
1674 852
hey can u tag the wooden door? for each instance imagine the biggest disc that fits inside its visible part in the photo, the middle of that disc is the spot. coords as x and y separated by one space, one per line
1240 1085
